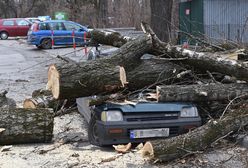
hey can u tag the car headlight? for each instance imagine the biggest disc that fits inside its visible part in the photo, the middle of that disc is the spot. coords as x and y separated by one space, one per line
111 116
189 112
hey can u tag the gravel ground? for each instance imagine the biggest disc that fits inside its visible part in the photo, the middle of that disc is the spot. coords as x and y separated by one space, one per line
23 69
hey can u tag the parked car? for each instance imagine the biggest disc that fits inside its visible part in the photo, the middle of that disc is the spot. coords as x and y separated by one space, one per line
40 34
111 123
13 27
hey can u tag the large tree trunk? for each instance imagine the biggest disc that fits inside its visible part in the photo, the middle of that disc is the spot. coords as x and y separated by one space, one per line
152 72
98 76
198 139
202 61
161 18
199 93
148 74
26 125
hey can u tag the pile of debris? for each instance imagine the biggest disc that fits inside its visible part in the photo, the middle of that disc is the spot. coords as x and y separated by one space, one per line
214 82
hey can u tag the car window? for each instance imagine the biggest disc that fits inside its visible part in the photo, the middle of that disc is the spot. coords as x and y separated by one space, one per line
8 23
22 22
44 26
57 26
71 26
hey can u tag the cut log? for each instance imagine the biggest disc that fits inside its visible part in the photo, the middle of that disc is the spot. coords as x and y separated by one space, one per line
85 80
202 61
97 76
199 93
196 140
26 125
108 38
40 99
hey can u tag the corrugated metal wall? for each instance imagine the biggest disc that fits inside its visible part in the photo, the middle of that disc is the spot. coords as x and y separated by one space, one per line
226 19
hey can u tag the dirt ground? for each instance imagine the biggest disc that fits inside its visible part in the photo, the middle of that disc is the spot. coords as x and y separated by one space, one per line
23 69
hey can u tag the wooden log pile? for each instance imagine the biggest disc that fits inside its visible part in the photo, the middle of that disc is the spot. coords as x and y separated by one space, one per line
173 73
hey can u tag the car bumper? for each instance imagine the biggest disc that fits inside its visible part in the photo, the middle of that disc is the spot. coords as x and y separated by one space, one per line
108 137
32 40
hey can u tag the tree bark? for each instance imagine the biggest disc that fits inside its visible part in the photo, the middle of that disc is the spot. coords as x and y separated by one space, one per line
148 74
40 99
97 76
202 61
199 93
26 125
152 72
198 139
161 18
109 38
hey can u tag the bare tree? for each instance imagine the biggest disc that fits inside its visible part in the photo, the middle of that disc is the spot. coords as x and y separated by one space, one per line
161 12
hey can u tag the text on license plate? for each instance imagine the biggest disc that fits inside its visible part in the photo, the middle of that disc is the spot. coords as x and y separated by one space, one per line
149 133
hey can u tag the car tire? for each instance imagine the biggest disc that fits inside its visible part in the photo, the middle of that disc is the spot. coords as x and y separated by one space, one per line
4 35
46 43
92 134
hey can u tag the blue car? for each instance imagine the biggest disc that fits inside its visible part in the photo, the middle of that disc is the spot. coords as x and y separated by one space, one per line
56 32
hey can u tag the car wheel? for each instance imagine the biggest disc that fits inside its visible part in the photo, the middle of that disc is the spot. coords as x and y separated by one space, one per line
46 43
4 35
92 132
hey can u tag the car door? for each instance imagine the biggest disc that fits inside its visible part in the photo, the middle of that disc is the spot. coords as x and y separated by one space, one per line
59 33
10 27
77 30
22 27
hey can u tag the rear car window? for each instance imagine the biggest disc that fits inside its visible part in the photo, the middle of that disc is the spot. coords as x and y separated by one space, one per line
57 26
8 23
22 22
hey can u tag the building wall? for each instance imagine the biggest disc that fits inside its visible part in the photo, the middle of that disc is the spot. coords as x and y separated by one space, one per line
226 20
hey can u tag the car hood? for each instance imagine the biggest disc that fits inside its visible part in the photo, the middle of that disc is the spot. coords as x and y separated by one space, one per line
145 107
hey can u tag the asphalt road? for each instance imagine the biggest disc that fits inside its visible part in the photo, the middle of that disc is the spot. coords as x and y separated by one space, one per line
23 68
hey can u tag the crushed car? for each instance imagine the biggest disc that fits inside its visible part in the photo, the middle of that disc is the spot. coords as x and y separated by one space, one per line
118 123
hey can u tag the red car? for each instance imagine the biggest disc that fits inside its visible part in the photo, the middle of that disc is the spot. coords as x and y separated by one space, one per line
14 27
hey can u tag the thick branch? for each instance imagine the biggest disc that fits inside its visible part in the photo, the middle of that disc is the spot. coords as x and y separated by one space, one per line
198 139
198 93
202 61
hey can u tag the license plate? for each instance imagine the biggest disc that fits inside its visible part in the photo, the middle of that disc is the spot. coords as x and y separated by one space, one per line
149 133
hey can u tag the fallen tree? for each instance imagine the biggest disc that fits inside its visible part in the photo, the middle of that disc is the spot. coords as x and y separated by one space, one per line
199 93
26 125
198 139
97 76
214 62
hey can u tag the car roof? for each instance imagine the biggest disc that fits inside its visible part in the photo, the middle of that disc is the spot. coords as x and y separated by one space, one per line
13 18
